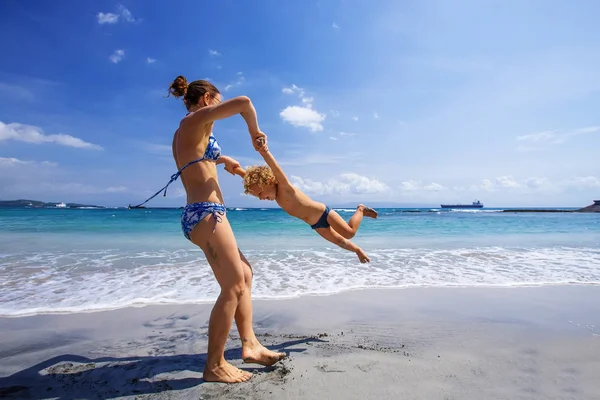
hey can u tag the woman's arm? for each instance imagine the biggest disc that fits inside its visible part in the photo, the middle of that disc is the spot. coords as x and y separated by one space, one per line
231 166
238 105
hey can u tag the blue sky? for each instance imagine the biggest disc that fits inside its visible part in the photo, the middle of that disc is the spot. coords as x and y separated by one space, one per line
415 102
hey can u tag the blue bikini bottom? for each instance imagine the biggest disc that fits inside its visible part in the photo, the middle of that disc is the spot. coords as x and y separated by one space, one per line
196 212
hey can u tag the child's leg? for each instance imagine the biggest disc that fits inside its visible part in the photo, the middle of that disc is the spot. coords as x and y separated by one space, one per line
349 229
331 235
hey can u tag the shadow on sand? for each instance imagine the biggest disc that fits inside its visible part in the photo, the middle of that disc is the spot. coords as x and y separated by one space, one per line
71 376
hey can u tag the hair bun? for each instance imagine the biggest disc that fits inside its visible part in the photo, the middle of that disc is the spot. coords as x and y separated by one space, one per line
179 86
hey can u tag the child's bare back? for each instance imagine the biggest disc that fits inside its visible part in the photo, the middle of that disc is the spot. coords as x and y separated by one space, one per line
271 183
297 204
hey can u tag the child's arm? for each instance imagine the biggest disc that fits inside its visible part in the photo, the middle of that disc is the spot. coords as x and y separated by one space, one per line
337 239
277 171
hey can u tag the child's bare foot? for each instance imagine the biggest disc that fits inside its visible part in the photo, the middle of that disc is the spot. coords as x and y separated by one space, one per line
362 256
225 373
367 211
259 354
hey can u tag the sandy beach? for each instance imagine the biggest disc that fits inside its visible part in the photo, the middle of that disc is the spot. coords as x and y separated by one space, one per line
443 343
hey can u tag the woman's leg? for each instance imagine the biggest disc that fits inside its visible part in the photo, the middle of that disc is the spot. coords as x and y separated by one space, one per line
252 350
223 256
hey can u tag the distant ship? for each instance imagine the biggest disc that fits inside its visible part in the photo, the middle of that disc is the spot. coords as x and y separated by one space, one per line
475 204
60 205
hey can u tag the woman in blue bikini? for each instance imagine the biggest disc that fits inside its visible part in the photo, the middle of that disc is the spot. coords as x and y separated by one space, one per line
204 222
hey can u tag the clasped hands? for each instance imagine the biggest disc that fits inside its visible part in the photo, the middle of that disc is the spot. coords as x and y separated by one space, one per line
259 141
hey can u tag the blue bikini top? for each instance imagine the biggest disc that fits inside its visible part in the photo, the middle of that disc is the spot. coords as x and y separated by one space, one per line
212 153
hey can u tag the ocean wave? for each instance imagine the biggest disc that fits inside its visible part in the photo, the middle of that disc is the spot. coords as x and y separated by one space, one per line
63 282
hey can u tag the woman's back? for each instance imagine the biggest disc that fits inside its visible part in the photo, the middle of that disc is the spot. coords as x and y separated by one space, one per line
193 143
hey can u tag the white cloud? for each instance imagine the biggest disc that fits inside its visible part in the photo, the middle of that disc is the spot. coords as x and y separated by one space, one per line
535 182
409 185
487 185
363 184
583 182
335 26
150 60
434 187
355 118
112 18
347 183
293 89
577 132
126 14
34 134
416 186
16 91
301 94
540 139
107 18
304 117
66 189
507 182
238 82
344 134
14 162
43 180
511 185
117 56
333 138
214 53
375 115
334 113
116 189
313 158
537 137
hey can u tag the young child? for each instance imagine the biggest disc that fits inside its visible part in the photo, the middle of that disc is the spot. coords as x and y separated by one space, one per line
271 183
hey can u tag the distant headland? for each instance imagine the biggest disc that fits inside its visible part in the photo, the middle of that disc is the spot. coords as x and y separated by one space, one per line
24 203
594 207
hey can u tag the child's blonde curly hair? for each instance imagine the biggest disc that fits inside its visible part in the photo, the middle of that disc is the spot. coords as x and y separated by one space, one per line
258 174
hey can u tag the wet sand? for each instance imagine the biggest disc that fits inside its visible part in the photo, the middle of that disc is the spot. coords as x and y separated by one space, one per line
421 343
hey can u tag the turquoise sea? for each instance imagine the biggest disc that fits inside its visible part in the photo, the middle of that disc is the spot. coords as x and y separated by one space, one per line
71 260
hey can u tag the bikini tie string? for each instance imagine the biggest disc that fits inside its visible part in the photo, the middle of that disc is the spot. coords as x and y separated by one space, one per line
217 216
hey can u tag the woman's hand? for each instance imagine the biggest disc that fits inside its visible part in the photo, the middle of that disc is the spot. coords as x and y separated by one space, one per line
261 146
231 165
259 140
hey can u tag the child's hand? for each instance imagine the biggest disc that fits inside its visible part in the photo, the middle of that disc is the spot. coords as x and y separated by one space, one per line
260 144
259 140
362 256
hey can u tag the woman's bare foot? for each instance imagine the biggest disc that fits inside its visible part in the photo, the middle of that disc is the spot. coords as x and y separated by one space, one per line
367 211
226 373
259 354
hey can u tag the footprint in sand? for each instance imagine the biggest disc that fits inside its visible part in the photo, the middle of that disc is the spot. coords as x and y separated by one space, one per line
325 368
366 367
